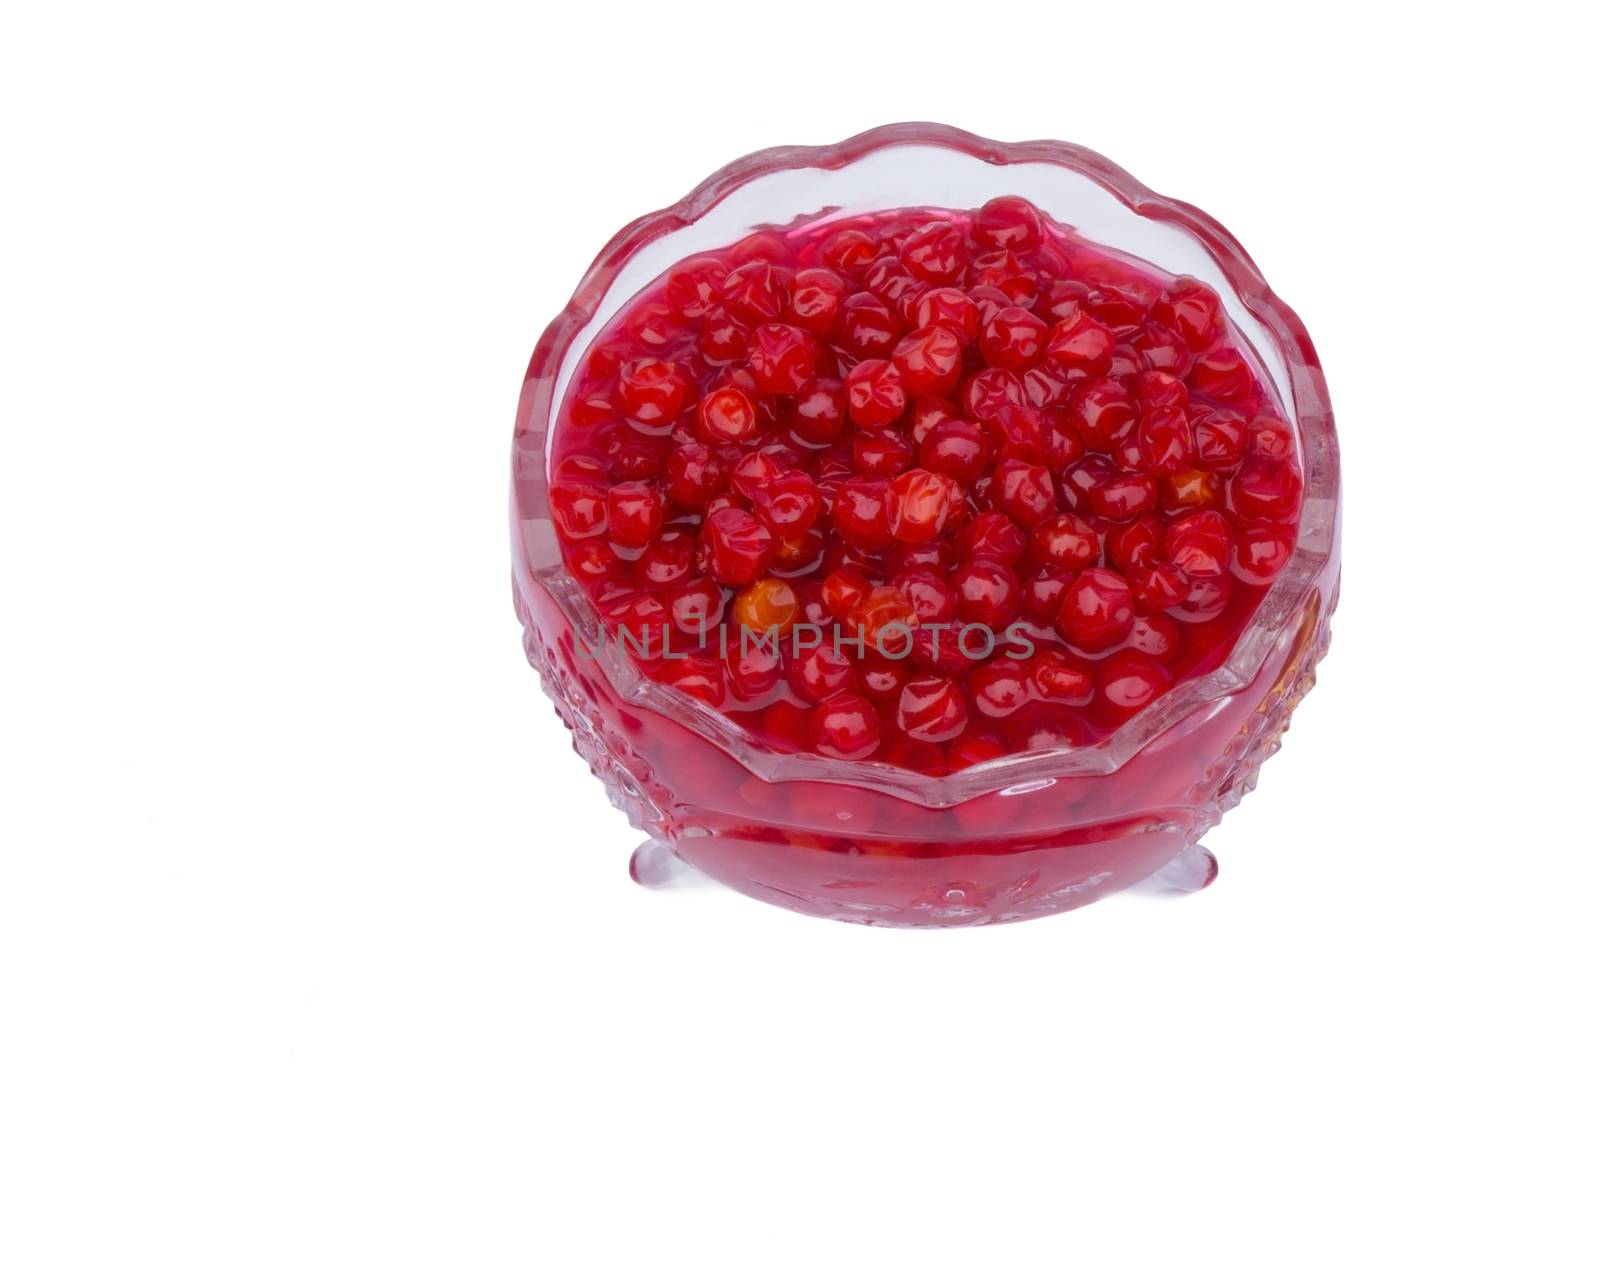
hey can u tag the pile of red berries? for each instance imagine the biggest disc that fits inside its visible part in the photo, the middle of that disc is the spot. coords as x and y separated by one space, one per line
995 489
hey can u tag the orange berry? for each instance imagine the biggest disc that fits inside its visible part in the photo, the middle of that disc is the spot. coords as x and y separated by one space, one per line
766 604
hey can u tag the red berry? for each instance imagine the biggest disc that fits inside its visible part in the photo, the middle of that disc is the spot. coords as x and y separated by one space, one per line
578 509
1219 440
1066 540
652 391
1260 551
816 298
782 358
860 512
1130 681
867 327
695 285
1222 375
884 618
1200 543
950 308
1009 223
932 709
821 671
1263 490
788 502
1271 437
849 251
1103 413
694 607
929 361
754 293
987 592
737 546
1097 610
845 727
727 415
875 394
693 475
842 590
1191 309
919 505
935 252
1081 344
993 534
974 749
752 665
1166 444
1124 496
957 448
1023 491
1013 339
880 453
722 340
819 410
1000 687
989 392
1057 678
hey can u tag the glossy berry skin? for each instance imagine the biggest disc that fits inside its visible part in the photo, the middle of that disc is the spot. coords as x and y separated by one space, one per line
1128 681
1008 223
1265 490
1023 491
874 393
694 475
929 361
821 671
727 415
782 358
1066 540
1000 688
987 592
668 560
578 509
933 599
919 504
695 607
1056 678
932 709
1097 610
993 534
652 391
769 604
884 618
816 298
957 448
1042 483
846 727
788 503
1013 339
1260 551
950 308
1200 543
1081 345
737 546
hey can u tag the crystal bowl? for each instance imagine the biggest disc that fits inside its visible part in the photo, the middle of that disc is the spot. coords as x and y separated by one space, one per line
1012 838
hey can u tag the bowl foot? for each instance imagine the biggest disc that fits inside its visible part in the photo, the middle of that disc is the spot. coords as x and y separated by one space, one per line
655 865
1191 870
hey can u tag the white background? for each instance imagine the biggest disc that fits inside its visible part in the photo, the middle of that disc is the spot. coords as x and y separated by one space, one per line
317 948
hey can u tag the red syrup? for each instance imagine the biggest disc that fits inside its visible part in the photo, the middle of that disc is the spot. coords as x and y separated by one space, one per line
927 487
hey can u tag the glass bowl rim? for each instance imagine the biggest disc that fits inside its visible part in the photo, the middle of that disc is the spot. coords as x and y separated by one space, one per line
1281 608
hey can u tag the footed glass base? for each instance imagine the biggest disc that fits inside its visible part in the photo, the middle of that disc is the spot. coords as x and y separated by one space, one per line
655 865
1191 870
